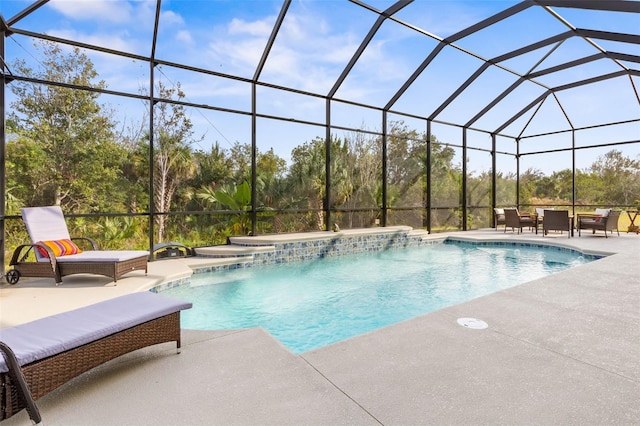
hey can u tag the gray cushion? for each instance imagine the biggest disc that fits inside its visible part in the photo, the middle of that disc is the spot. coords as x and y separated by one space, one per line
52 335
103 256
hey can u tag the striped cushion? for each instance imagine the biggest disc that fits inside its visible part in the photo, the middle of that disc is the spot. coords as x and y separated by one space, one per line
59 247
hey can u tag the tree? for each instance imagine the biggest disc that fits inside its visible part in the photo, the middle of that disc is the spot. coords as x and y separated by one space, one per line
618 179
62 149
270 171
240 155
444 181
214 167
446 184
307 174
361 186
534 184
564 184
505 189
406 166
406 152
530 182
236 198
173 162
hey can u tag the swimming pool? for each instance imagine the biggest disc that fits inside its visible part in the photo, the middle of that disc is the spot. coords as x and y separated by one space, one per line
307 305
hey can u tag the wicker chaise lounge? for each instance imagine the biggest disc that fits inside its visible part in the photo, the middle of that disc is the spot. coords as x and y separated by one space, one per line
48 232
40 356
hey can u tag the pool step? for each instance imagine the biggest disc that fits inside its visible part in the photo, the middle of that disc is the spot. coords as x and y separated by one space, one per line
424 237
232 251
418 234
201 263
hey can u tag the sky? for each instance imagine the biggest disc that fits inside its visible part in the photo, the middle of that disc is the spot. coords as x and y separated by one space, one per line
313 47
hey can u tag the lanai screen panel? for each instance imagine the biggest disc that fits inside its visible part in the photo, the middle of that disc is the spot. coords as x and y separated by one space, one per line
506 172
393 54
445 18
314 45
406 162
601 20
607 101
614 133
355 116
427 93
223 37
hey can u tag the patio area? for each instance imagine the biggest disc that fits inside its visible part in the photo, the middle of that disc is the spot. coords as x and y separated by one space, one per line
559 350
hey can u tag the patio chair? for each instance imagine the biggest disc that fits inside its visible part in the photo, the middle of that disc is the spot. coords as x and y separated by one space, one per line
57 255
498 217
603 219
516 220
556 220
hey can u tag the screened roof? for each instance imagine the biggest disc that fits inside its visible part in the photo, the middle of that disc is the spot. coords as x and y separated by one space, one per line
518 69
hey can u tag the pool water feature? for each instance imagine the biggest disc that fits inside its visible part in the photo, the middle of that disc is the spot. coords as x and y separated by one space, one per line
307 305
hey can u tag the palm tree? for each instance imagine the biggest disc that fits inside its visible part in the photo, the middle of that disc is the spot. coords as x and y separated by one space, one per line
173 164
308 176
173 158
234 197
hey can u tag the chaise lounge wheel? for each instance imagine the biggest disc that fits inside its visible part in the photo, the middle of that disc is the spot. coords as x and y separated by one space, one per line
13 276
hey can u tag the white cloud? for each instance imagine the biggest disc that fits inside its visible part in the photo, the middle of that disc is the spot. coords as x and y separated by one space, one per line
99 10
256 28
295 29
305 54
184 36
144 14
239 56
171 18
111 41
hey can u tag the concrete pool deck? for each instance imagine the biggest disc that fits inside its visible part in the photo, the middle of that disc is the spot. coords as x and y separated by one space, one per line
564 349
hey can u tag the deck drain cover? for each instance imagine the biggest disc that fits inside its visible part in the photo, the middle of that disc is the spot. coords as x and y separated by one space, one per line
473 323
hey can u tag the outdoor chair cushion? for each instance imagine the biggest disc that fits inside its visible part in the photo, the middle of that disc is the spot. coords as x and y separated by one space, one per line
540 211
45 223
601 213
103 256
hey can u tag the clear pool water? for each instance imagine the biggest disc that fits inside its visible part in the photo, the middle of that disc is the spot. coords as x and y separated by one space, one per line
311 304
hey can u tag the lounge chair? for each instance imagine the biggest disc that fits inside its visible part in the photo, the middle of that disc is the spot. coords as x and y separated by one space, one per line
40 356
57 255
498 217
556 220
603 219
516 220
